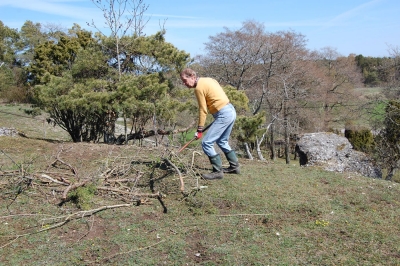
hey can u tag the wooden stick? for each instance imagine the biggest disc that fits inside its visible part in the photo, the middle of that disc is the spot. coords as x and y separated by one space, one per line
187 144
179 173
243 214
76 215
193 139
126 252
53 180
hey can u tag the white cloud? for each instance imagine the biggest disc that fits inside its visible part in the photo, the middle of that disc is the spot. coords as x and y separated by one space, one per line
187 24
172 16
53 7
345 16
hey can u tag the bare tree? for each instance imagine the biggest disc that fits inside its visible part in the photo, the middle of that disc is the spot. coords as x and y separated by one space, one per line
120 17
282 82
391 67
289 88
232 55
338 78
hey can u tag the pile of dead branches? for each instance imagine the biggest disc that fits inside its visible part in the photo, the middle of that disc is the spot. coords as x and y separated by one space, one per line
128 180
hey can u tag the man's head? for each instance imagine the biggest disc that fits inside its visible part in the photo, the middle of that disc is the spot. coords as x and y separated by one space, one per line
189 77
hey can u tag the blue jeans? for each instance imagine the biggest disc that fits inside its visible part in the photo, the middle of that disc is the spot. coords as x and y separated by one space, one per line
219 131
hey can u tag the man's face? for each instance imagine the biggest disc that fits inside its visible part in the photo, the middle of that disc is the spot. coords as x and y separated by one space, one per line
189 82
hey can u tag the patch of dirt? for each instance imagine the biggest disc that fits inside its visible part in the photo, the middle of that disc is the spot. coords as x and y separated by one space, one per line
224 206
94 228
197 251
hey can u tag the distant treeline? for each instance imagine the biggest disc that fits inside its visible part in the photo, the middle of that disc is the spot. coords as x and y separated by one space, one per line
374 70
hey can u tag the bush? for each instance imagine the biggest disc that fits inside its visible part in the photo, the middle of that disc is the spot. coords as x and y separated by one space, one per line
82 196
361 139
16 95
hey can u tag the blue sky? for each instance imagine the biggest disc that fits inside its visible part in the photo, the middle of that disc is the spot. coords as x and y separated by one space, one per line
366 27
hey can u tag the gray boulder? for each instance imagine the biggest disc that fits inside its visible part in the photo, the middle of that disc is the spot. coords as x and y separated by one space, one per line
8 132
334 153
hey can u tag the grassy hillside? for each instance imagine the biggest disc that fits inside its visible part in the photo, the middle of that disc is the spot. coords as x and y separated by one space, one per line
271 214
16 116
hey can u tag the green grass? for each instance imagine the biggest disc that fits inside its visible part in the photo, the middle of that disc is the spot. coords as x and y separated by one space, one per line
271 214
368 91
17 117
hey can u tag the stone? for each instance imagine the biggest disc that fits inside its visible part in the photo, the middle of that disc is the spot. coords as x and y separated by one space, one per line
8 132
334 153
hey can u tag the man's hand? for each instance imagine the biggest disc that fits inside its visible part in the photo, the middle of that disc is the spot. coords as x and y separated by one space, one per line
198 134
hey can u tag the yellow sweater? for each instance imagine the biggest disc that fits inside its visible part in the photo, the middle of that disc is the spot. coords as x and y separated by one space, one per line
211 96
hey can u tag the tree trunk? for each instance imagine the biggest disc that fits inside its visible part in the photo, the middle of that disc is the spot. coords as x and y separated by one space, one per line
287 141
155 129
118 59
125 129
272 146
287 151
286 128
391 173
248 151
258 144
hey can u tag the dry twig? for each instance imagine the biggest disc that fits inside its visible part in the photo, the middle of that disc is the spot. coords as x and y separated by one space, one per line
179 173
126 252
66 219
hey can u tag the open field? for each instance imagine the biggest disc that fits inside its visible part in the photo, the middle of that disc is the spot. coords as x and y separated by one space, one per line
368 91
271 214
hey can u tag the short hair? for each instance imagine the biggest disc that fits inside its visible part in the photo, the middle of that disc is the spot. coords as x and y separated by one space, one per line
188 72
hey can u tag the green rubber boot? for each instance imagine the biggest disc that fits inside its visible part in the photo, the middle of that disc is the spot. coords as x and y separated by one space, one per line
217 168
233 163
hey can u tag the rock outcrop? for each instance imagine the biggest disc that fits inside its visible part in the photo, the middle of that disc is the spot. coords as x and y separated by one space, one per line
334 153
8 132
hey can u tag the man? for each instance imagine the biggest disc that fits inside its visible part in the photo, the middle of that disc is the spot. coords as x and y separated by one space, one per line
211 97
